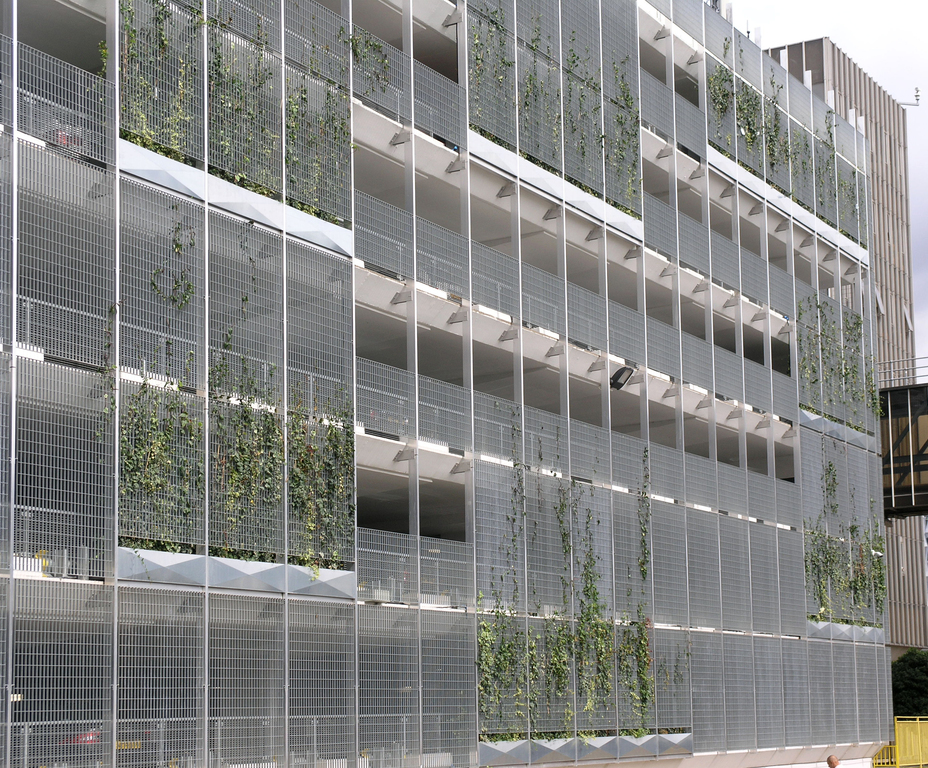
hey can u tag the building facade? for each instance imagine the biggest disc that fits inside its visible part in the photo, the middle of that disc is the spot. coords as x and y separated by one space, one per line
432 385
857 97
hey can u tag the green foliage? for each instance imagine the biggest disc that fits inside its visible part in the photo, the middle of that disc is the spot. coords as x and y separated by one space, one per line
490 69
749 115
721 90
371 61
910 684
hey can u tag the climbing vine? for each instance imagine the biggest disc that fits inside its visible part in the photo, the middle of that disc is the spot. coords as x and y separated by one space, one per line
749 115
721 89
491 66
372 64
623 139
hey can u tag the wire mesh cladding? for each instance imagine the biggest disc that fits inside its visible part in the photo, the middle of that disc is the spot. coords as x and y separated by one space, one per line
389 724
734 551
4 647
255 20
500 513
495 280
718 34
669 554
729 374
792 596
765 605
697 362
552 686
589 452
768 682
821 692
449 716
660 226
321 647
795 671
867 695
663 347
626 332
709 703
318 146
632 534
620 147
6 239
733 488
620 51
757 385
315 40
160 674
440 106
725 261
847 199
497 426
688 15
162 285
580 40
540 106
672 685
801 165
66 107
445 414
63 523
826 205
66 289
701 481
162 467
703 568
383 236
161 78
385 399
761 497
6 92
750 129
583 131
546 439
691 125
442 259
846 694
722 124
243 107
382 77
388 567
247 679
789 506
446 573
549 509
754 276
666 471
543 299
5 469
782 297
740 726
628 461
656 104
586 317
492 76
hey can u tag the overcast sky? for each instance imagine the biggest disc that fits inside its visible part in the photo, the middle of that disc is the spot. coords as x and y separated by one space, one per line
888 40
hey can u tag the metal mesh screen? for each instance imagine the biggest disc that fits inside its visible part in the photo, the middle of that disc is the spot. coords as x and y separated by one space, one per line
583 129
796 691
703 570
632 534
656 104
694 242
691 125
6 231
747 59
729 378
792 582
753 276
256 20
626 332
383 235
628 460
159 714
440 108
62 658
388 567
621 143
847 198
822 692
735 573
161 77
845 692
540 105
449 716
545 439
543 299
548 512
497 426
666 471
672 660
768 681
388 651
697 362
663 347
722 128
66 256
315 40
688 15
492 78
385 399
586 317
733 489
321 648
244 116
761 497
765 603
789 507
718 34
441 258
495 279
64 470
709 700
670 568
750 154
781 292
660 226
738 652
701 480
620 51
867 693
162 285
445 413
65 106
6 91
6 428
801 170
784 397
381 75
446 573
725 262
247 679
588 459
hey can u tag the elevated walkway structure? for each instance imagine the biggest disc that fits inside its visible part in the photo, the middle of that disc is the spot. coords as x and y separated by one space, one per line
904 436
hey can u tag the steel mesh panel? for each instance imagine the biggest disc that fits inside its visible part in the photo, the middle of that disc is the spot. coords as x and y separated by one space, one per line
768 682
319 329
446 573
694 242
620 48
670 567
697 362
724 260
718 34
589 452
753 276
382 75
162 285
62 666
776 147
666 471
318 146
672 680
580 39
495 279
762 497
553 690
789 507
709 700
822 692
660 226
499 509
65 106
722 127
781 292
537 23
4 645
887 729
246 678
632 533
66 256
801 170
862 208
383 235
691 125
497 426
162 455
548 512
738 652
6 91
811 463
502 11
688 15
387 566
315 40
385 399
160 676
592 548
256 20
663 347
728 374
765 603
389 684
845 692
622 138
733 489
703 570
445 413
867 693
545 439
6 428
492 79
441 258
321 649
701 480
440 106
583 129
540 106
626 332
6 230
735 573
751 156
64 470
796 691
586 317
243 106
543 299
826 205
757 385
747 59
161 77
847 198
449 716
629 456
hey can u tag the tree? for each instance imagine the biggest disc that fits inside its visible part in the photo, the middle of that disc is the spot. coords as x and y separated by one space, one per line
910 684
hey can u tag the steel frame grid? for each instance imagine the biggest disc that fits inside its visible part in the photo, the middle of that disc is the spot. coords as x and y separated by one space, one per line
6 428
387 567
587 461
703 568
492 92
385 399
586 317
554 693
669 549
66 257
549 567
497 426
672 680
543 299
383 236
768 681
445 414
255 20
495 280
440 106
442 259
382 76
539 88
446 571
583 131
315 40
740 712
734 551
545 438
6 91
6 235
765 604
708 684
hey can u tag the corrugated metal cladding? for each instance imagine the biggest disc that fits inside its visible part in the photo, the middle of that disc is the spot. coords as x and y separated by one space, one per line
309 454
